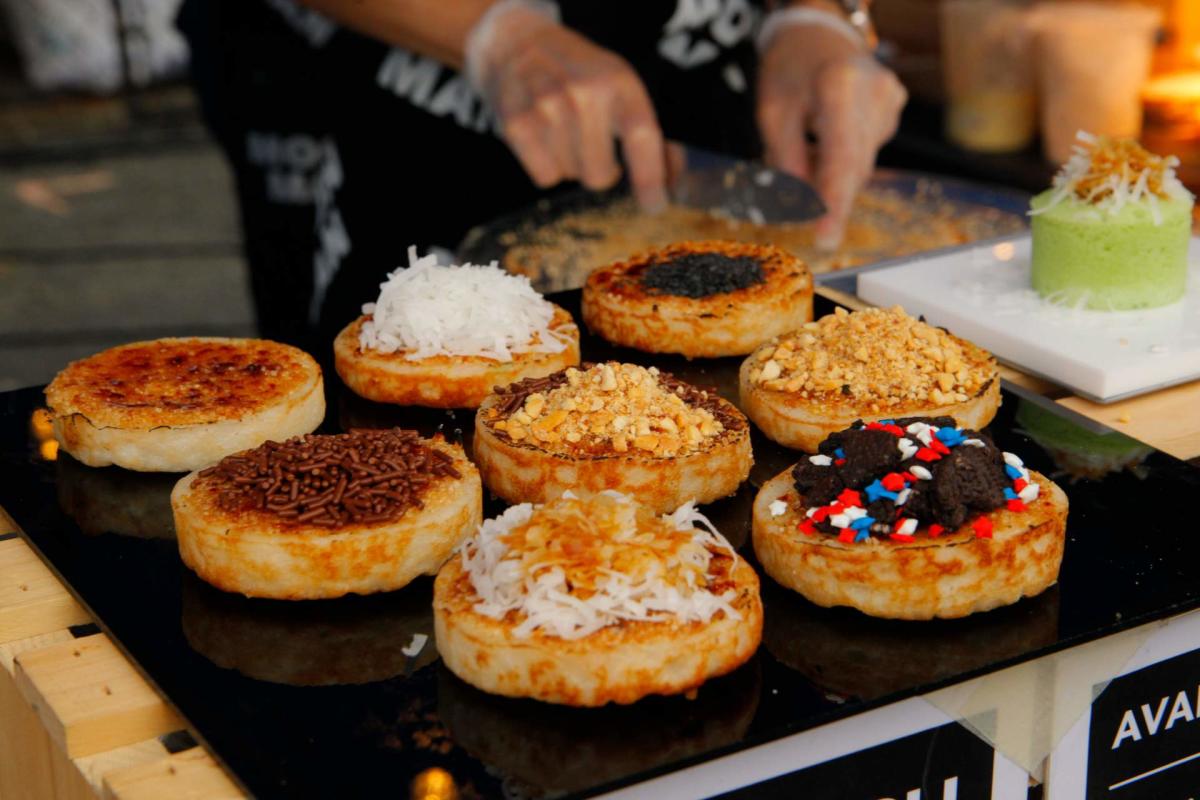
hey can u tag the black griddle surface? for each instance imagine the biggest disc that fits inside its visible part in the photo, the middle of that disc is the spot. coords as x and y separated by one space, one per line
369 719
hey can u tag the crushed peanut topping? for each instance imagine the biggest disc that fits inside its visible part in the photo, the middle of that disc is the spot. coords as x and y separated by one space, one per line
612 408
879 359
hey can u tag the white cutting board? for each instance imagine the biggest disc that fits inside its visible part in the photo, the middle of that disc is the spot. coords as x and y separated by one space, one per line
983 294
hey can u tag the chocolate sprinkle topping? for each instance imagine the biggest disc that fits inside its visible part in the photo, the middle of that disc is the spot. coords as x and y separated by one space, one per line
697 275
513 396
360 477
706 398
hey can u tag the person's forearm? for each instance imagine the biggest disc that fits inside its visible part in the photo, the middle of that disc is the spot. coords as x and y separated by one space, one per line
435 28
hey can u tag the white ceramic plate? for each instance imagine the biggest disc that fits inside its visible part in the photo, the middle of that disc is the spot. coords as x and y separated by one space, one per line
983 294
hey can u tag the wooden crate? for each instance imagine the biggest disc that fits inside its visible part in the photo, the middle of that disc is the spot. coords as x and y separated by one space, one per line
77 721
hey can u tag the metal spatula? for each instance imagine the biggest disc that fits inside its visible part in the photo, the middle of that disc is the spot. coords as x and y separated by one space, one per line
744 190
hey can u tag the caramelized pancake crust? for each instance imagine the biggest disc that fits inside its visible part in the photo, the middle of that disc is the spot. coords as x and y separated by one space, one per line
178 382
174 405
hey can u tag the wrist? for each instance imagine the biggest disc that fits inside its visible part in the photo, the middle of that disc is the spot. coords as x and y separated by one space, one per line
503 24
822 14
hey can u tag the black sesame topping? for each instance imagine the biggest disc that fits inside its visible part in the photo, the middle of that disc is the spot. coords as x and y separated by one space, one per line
697 275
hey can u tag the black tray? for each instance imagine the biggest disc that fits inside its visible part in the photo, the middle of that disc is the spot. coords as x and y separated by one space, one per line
370 719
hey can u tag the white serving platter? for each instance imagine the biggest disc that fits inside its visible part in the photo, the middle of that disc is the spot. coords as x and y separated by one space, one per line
983 294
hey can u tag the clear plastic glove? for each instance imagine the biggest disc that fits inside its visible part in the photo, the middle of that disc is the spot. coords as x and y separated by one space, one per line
561 101
813 77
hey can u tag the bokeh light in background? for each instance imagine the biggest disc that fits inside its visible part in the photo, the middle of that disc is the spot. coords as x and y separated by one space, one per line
434 784
42 428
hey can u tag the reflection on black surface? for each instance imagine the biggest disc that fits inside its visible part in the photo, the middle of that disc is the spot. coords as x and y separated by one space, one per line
314 643
455 425
1080 453
114 500
847 653
1122 566
543 750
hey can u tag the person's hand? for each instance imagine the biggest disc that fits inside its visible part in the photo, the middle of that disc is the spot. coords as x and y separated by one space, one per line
814 78
561 101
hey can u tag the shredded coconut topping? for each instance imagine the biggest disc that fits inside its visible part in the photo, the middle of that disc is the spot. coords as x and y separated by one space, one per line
459 310
576 565
1109 173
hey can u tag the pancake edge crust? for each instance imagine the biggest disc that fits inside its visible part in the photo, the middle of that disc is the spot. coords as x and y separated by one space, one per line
255 558
952 576
527 474
183 448
725 324
802 424
191 447
443 381
618 664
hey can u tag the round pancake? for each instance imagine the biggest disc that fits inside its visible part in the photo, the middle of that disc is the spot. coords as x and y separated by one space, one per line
260 554
802 417
532 471
443 381
951 576
174 405
620 307
624 659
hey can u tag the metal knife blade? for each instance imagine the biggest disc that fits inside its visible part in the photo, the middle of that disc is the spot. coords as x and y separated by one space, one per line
744 190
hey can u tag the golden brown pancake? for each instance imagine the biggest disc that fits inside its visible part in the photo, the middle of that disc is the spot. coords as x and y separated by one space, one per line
869 365
443 381
953 575
699 299
174 405
631 429
358 526
547 649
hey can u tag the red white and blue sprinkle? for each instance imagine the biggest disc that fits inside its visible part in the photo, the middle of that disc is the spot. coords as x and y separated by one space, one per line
848 512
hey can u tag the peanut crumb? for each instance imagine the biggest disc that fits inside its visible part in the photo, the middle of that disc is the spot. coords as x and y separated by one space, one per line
876 356
614 407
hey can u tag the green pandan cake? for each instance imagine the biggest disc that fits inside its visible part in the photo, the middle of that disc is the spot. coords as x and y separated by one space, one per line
1112 232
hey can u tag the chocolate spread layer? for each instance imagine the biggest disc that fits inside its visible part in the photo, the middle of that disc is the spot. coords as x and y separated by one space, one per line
966 480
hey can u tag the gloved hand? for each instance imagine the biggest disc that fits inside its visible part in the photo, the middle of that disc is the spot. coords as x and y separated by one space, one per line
561 100
815 76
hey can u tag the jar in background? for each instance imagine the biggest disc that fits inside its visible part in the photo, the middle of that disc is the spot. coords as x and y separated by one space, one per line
1092 62
990 90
